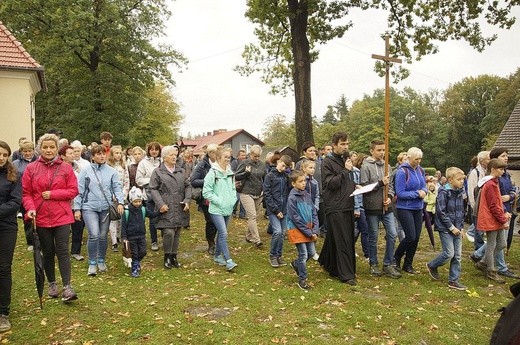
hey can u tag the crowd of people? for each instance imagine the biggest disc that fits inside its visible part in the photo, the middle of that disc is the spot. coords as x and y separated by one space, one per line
340 195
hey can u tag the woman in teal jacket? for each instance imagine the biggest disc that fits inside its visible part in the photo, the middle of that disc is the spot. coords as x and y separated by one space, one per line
219 190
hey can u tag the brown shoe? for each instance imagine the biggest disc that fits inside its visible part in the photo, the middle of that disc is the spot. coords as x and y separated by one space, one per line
494 277
481 266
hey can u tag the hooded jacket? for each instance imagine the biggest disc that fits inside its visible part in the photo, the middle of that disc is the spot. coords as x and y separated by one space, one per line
372 171
57 177
145 169
449 209
219 190
408 182
276 190
491 212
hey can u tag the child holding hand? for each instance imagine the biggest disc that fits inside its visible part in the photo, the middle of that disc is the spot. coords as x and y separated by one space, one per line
303 225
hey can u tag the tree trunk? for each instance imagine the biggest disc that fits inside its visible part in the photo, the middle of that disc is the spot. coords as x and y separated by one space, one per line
302 71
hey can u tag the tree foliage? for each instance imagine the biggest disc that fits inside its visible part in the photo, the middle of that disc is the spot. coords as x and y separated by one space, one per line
290 31
99 61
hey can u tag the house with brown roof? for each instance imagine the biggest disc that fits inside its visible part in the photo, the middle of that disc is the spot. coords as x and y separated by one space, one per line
21 78
510 138
236 139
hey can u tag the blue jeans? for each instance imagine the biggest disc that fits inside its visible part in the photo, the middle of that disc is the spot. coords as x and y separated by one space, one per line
411 220
362 230
306 251
471 230
221 245
97 224
451 251
279 226
373 231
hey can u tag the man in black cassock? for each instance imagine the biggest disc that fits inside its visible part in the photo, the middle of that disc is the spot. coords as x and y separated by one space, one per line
338 255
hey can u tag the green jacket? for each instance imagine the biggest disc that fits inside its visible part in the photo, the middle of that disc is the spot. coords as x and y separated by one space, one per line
219 190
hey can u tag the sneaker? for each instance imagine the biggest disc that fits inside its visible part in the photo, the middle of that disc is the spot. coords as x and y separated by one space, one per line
470 237
302 283
19 215
102 266
409 270
494 277
281 262
457 286
53 290
211 249
295 267
258 244
509 274
230 264
434 273
219 260
114 247
92 270
30 248
474 258
374 270
135 270
5 325
155 247
316 257
391 271
68 294
274 262
481 266
78 257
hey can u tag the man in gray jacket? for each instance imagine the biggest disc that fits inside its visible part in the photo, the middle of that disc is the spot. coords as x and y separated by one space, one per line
378 209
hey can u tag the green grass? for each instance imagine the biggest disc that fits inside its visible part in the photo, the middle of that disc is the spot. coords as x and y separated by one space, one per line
202 303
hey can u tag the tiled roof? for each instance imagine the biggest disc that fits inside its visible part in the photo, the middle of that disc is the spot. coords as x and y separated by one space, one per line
12 54
220 139
510 135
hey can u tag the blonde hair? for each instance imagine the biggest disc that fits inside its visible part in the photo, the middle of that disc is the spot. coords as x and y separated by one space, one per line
48 137
26 145
414 152
256 149
139 148
451 172
306 163
220 151
110 158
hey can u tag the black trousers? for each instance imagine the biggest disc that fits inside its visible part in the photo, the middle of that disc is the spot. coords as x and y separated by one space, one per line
138 248
55 243
7 244
77 236
211 229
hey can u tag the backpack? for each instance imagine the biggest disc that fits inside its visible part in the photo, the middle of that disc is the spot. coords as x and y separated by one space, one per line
143 210
476 194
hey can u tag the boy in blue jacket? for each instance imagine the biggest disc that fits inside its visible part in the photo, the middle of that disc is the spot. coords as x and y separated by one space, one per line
449 222
133 228
276 190
303 226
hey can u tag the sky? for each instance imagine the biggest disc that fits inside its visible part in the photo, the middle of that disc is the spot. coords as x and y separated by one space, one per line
212 35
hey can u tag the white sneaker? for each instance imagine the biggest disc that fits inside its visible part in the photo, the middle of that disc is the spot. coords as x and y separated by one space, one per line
316 256
470 238
30 248
78 257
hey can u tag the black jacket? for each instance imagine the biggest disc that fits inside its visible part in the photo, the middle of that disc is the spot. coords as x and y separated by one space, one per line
10 201
337 184
134 226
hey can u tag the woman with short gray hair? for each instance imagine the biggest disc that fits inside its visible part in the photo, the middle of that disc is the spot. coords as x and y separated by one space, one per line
251 173
171 193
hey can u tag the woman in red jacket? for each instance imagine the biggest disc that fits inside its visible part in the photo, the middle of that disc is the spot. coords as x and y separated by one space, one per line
48 186
492 218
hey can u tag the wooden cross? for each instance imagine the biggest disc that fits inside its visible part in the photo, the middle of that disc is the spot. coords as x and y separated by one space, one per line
387 60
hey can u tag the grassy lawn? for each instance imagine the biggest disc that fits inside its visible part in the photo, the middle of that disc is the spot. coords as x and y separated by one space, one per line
202 303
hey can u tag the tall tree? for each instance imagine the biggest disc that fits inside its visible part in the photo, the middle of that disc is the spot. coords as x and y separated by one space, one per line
289 31
99 60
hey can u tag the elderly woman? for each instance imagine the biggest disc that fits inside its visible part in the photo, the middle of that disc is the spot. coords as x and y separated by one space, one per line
145 169
98 186
410 188
219 189
171 192
10 201
197 181
251 173
49 185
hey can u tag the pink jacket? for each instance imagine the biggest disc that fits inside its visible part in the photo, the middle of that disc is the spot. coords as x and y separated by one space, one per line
36 179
